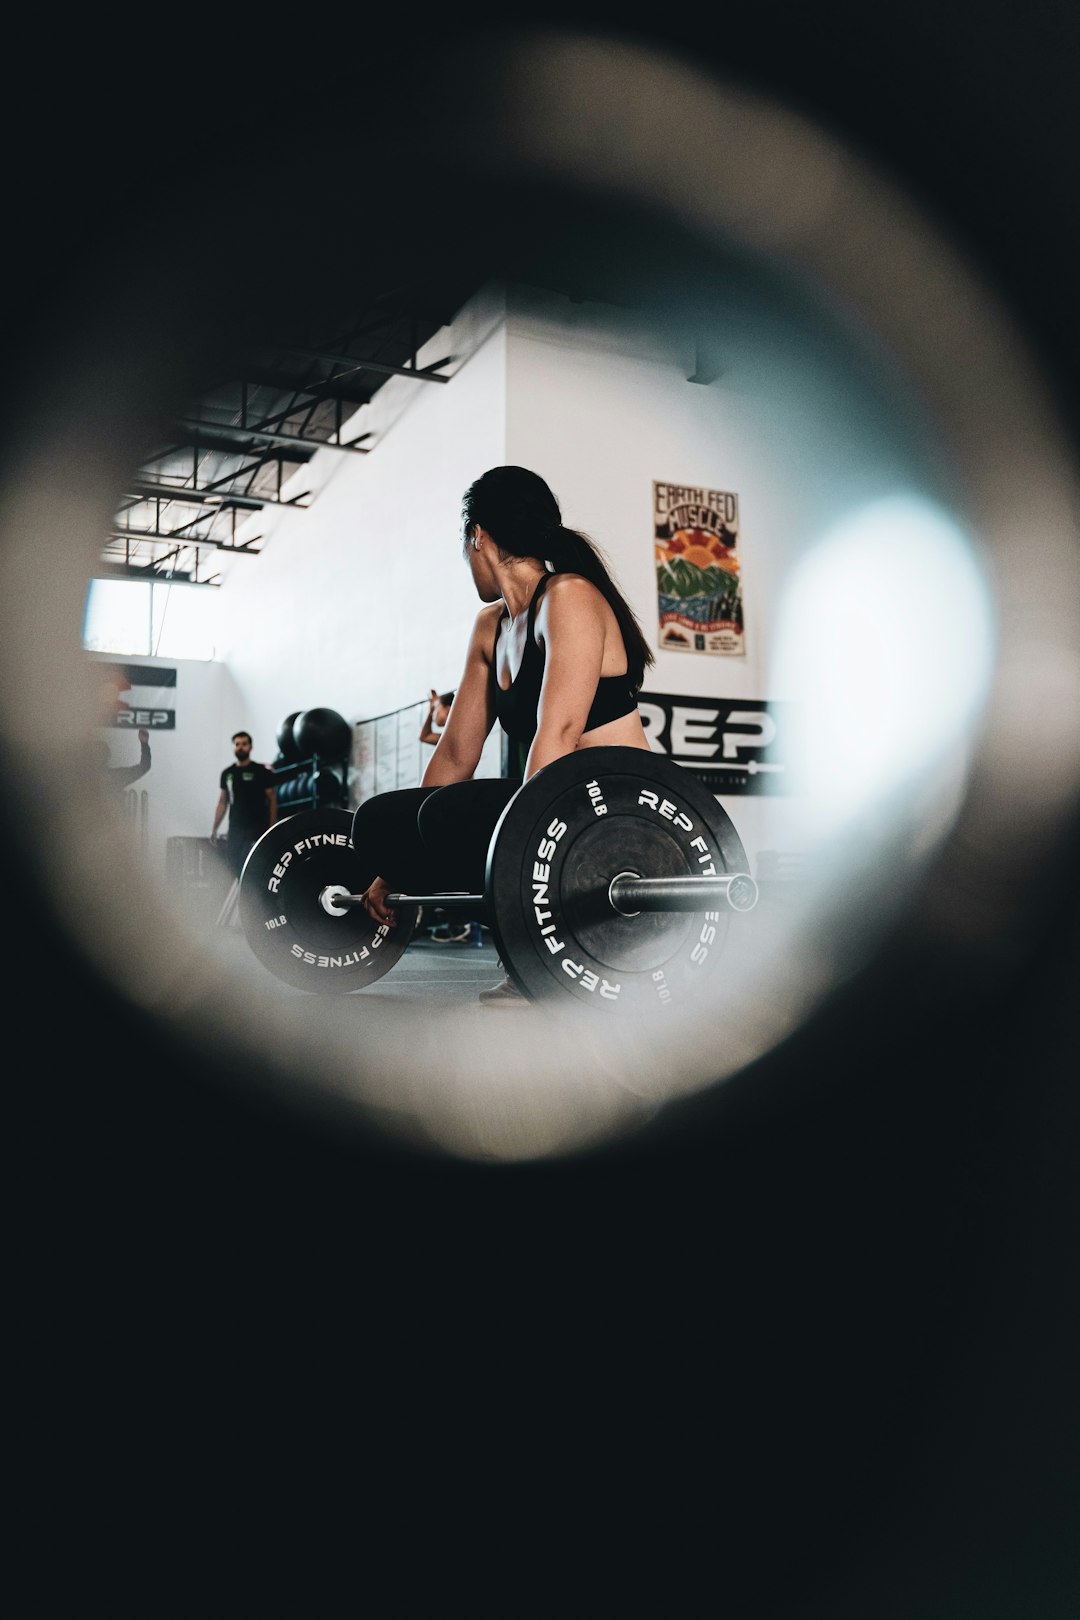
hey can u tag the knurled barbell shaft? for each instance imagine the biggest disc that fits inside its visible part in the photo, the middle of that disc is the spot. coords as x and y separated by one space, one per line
337 902
448 902
630 894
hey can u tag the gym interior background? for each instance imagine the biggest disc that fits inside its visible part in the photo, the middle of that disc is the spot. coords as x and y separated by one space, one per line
886 1182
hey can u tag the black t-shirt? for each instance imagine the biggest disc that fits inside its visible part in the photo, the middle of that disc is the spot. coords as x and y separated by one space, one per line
245 787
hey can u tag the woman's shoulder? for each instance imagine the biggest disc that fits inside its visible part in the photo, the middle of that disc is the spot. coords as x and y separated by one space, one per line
486 624
571 593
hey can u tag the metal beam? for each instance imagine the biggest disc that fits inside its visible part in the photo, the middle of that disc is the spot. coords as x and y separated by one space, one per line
147 489
355 363
278 438
327 387
184 540
251 472
224 443
226 446
149 576
210 516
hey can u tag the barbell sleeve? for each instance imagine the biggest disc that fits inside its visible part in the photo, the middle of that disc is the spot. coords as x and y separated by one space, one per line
630 894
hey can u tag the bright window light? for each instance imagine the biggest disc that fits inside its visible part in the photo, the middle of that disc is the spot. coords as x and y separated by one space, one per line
885 637
160 621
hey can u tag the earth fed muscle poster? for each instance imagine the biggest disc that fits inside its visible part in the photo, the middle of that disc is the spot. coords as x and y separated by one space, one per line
699 595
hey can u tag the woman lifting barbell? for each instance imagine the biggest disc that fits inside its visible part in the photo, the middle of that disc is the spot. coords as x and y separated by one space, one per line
556 656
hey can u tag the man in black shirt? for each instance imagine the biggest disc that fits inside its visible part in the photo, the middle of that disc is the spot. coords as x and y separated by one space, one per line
249 797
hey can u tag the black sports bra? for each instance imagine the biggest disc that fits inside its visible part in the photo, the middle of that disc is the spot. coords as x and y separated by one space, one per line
516 704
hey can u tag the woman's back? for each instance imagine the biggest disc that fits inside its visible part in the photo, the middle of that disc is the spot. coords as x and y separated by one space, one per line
519 661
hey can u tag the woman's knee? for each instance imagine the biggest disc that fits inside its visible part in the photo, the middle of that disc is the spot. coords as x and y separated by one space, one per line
457 821
430 819
385 813
445 814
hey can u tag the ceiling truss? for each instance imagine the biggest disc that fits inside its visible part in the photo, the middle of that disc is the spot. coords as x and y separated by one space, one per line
191 504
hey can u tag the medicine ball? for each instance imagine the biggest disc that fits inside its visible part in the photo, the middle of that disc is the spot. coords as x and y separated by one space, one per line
287 749
323 732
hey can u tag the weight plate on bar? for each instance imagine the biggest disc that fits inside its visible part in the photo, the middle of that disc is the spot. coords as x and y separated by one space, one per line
285 922
564 836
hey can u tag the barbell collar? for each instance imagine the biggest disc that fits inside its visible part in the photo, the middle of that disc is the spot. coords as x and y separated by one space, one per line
630 894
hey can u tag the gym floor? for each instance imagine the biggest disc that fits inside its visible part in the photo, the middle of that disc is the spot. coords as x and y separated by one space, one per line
439 971
442 969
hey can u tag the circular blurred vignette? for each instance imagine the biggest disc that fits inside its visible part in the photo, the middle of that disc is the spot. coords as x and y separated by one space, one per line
955 854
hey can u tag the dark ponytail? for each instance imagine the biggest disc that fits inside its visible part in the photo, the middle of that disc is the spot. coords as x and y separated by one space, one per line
522 516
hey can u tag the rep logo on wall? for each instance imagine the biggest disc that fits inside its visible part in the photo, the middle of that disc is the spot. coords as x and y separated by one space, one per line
733 746
138 696
698 589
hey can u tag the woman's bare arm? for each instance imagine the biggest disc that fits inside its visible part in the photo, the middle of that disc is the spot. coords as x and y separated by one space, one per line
462 739
472 713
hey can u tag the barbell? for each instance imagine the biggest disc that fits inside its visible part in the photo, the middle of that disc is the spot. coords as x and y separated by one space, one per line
612 879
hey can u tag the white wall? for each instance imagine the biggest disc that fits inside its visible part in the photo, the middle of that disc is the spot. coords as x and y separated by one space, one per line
798 425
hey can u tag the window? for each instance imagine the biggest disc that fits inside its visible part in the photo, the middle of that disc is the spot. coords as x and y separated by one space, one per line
157 621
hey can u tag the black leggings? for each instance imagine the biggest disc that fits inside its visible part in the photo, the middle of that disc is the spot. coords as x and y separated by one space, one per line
427 840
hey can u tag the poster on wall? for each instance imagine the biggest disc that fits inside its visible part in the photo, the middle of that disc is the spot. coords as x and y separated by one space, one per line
698 589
